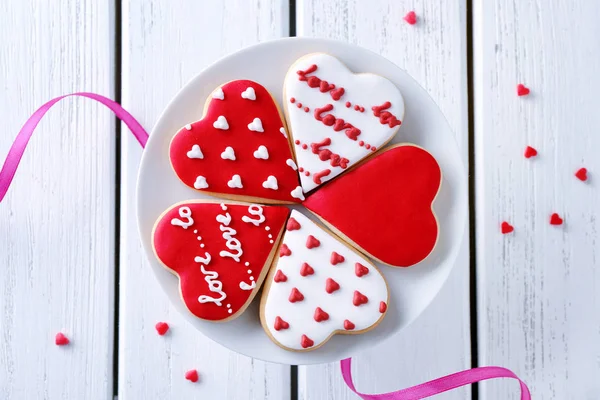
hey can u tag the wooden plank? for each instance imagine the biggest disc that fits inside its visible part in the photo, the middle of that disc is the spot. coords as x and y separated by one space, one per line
434 53
166 43
539 309
57 221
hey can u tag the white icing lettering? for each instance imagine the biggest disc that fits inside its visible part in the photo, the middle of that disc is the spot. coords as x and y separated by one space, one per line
245 286
186 213
257 211
211 278
232 243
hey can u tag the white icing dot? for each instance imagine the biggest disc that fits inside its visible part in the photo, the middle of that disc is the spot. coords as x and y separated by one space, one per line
282 130
199 238
271 241
249 271
256 125
235 182
223 207
202 245
246 263
195 230
249 94
270 236
292 164
188 127
200 182
251 278
267 228
218 94
262 153
228 154
270 183
230 311
195 152
221 123
228 305
297 193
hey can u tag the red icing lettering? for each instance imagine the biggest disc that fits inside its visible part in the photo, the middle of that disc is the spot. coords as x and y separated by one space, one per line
312 242
385 117
320 315
306 342
360 270
336 94
309 70
280 324
325 154
295 296
318 175
331 286
313 82
348 325
316 147
284 251
336 258
319 111
293 225
279 276
359 298
306 270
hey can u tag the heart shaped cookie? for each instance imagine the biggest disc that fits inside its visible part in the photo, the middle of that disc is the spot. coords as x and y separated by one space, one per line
336 117
384 206
319 287
239 149
220 252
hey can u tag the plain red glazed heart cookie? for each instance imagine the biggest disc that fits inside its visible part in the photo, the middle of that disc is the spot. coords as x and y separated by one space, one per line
239 149
220 252
384 206
303 311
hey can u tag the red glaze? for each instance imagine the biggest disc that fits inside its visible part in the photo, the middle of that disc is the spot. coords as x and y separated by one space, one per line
360 270
555 219
402 229
279 277
331 286
293 225
192 375
306 270
359 298
318 175
382 307
295 296
161 328
312 242
61 340
306 342
581 174
530 152
320 315
280 324
348 325
336 258
505 228
239 112
284 251
177 249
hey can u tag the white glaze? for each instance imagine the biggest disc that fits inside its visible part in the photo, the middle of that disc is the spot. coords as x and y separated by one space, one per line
235 182
261 153
200 182
231 242
221 123
270 183
339 304
195 152
256 125
249 94
366 90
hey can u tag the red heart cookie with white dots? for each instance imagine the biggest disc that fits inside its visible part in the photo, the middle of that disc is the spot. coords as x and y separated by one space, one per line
337 117
319 287
220 252
384 206
239 149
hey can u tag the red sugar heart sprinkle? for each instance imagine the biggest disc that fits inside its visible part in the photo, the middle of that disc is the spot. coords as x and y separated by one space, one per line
581 174
280 277
312 242
295 296
331 285
505 228
280 324
359 298
530 152
555 219
293 225
306 270
61 339
192 375
161 328
348 325
306 342
284 251
360 270
411 18
336 258
382 307
320 315
522 90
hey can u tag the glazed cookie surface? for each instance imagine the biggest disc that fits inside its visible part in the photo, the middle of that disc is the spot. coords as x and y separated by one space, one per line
239 149
337 117
384 206
319 287
220 252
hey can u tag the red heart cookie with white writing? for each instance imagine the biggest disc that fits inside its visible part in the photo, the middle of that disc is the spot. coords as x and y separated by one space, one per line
319 287
337 117
239 149
220 252
384 206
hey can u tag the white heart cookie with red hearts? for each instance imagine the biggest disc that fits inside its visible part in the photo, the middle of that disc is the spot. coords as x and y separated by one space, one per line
239 149
337 117
319 287
220 252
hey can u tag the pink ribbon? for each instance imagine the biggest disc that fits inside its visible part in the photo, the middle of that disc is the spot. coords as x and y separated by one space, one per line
413 393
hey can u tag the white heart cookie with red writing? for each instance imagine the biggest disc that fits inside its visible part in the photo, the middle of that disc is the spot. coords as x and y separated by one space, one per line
220 252
319 287
337 117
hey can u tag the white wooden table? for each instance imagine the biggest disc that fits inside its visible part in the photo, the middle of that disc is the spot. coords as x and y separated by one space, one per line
70 256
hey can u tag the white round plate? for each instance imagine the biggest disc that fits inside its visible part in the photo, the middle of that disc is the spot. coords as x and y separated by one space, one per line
411 289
